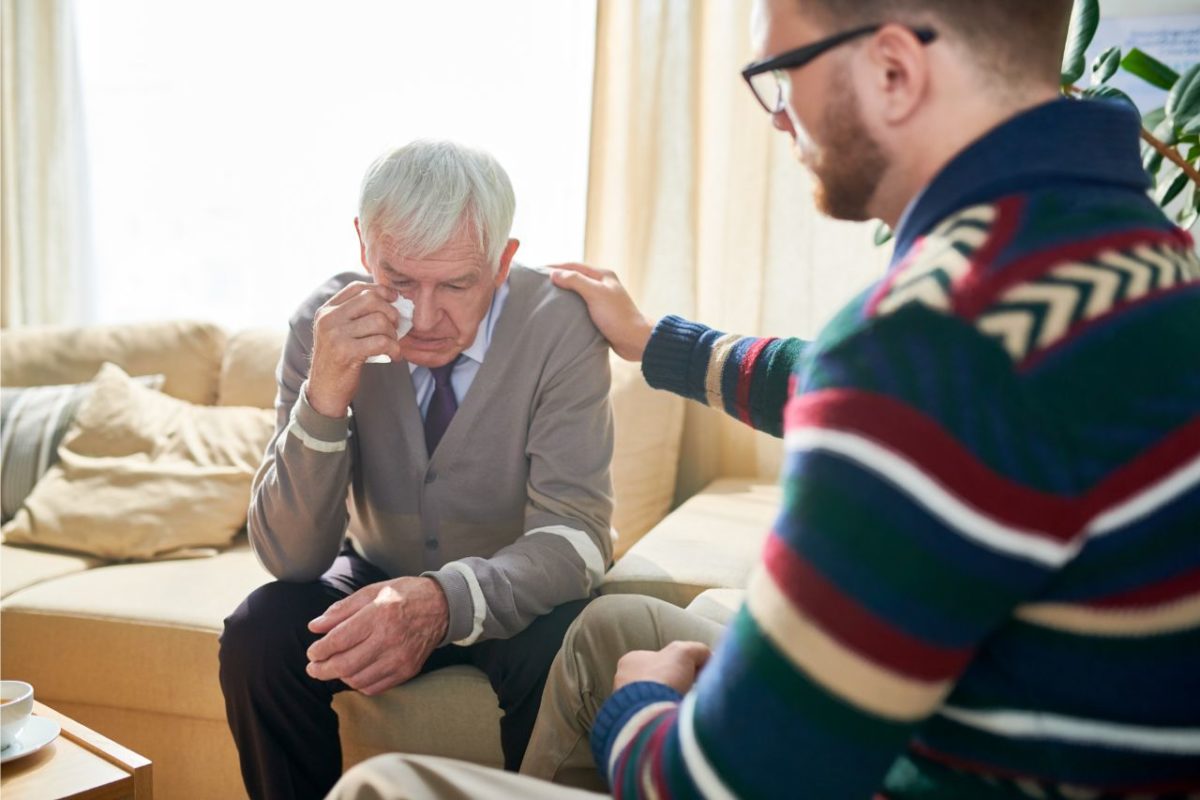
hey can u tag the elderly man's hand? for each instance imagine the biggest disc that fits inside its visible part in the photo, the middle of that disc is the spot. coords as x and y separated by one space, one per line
356 323
381 635
610 306
676 665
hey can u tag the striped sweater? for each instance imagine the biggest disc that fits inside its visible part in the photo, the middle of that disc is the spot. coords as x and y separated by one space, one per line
985 577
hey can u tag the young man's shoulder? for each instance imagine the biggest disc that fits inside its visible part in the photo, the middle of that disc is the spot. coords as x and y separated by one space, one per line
1032 271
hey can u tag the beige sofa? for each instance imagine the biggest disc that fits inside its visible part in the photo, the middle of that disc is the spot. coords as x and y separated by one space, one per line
131 649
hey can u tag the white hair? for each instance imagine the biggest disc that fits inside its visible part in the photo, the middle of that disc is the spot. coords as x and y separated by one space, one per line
424 192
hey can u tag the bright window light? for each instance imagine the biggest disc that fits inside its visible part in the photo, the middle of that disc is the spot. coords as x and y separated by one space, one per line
227 139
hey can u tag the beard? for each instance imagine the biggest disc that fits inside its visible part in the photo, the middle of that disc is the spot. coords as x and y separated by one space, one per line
849 164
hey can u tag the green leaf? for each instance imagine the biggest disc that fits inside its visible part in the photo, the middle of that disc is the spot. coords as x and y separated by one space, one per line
1193 153
1149 69
1152 119
1085 16
1109 93
1105 65
1183 103
1169 191
883 234
1152 161
1165 133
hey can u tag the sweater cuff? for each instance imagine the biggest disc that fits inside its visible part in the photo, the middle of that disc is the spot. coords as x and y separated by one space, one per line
618 711
465 623
666 364
317 431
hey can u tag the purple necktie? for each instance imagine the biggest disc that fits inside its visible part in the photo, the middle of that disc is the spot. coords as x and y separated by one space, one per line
442 406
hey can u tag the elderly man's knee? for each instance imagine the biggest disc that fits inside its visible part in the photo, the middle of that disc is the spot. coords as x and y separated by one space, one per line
258 633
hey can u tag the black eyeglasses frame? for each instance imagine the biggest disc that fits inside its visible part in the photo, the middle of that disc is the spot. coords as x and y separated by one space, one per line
794 59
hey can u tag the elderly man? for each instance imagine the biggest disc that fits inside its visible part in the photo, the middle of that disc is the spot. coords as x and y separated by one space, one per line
450 506
984 581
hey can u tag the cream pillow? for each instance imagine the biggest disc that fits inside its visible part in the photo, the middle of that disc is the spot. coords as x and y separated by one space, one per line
143 475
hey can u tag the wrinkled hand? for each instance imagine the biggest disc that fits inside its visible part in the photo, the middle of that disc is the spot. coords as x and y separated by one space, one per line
610 306
676 665
381 635
356 323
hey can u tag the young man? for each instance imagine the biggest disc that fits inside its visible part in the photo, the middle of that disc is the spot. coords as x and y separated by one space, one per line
985 580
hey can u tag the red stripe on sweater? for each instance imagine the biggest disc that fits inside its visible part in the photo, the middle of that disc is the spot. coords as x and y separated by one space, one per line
1082 329
885 286
655 748
1169 454
917 437
979 290
746 377
852 624
985 770
1154 594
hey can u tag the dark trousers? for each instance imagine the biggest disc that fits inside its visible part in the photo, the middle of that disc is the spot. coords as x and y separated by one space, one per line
283 721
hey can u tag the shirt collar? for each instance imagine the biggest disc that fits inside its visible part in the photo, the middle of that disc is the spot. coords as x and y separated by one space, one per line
1089 141
483 335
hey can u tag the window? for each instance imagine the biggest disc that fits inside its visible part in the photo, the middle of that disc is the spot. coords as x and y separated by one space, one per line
227 139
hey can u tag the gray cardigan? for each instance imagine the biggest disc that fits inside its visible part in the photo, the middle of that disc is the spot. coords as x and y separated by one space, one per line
510 515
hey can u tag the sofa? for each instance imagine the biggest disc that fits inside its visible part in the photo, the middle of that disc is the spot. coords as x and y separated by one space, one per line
130 648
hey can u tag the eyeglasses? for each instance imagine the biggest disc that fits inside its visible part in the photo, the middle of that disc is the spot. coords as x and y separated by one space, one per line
767 78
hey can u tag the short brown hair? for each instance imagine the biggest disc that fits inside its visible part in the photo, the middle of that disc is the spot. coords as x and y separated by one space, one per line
1018 39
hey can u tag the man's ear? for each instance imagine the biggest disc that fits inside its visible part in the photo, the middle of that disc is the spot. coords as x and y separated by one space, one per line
900 73
362 245
506 258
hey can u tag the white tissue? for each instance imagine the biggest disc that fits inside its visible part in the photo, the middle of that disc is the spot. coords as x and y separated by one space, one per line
406 308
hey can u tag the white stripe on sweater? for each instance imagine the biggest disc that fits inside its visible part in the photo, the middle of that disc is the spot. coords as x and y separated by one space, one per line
631 728
1147 501
478 603
703 775
589 553
1035 725
310 441
909 478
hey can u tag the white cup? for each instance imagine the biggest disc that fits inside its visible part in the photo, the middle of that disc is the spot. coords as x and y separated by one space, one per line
16 704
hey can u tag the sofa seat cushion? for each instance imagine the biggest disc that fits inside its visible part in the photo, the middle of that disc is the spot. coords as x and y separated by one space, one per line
144 637
22 567
711 541
719 605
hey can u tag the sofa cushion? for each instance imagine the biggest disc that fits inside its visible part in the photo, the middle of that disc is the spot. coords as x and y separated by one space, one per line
711 541
187 353
144 637
248 368
719 605
144 475
34 420
21 567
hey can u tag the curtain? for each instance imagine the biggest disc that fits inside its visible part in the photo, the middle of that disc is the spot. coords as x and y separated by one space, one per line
699 205
43 191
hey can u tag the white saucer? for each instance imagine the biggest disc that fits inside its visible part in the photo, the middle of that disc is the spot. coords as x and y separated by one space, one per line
36 734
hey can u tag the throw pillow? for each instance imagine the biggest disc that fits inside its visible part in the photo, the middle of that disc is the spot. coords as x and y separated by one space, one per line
143 476
33 422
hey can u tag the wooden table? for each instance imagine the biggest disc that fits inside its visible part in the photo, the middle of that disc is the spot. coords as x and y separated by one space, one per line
80 763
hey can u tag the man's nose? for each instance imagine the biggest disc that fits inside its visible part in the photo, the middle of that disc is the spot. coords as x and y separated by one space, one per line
426 312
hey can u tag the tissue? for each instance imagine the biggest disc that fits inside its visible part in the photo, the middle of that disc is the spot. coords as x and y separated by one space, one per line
405 307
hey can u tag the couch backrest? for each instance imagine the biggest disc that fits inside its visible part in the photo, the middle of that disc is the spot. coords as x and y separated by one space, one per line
248 368
204 365
188 353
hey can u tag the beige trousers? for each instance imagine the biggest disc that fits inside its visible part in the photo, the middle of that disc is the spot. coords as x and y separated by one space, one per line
580 681
399 777
581 678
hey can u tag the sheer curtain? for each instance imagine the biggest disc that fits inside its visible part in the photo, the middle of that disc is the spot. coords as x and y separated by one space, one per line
698 203
43 192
